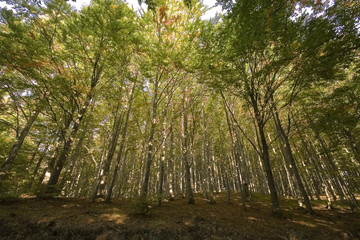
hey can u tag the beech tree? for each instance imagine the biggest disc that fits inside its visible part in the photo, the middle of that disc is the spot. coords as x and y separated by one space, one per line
107 103
265 56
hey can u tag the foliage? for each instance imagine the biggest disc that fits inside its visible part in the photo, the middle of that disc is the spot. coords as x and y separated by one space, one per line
209 97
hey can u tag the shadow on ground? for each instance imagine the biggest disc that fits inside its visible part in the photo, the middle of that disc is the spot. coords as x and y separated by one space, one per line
60 218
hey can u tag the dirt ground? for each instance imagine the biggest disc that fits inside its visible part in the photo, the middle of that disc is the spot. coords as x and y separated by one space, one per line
64 218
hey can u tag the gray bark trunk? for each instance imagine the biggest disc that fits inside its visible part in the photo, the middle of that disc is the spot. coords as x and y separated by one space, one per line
269 175
17 145
68 142
347 192
101 184
186 157
288 154
171 175
149 154
122 144
162 162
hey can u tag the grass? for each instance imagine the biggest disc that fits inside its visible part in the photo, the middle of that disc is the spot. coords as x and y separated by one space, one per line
60 218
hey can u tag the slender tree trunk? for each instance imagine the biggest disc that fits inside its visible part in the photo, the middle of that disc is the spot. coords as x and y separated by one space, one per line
68 142
288 154
186 156
51 163
161 180
328 198
236 156
227 184
162 162
171 175
347 192
149 155
291 191
243 157
189 190
101 184
311 156
98 166
269 175
206 158
38 164
123 137
64 155
17 145
74 156
35 153
210 180
352 143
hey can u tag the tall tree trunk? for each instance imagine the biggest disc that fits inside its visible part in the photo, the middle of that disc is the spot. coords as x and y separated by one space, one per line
236 154
149 154
291 191
17 145
99 165
347 192
189 190
352 143
290 157
162 161
34 155
122 144
60 164
266 161
74 156
51 162
226 181
186 154
319 181
170 168
76 125
38 164
209 177
161 179
206 158
101 184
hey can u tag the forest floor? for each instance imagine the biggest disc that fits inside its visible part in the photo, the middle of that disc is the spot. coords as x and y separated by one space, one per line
66 218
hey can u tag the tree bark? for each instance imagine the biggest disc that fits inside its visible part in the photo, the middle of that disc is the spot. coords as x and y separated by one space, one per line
101 184
186 155
266 161
122 144
171 175
290 157
17 145
149 154
344 188
69 140
236 156
162 162
206 159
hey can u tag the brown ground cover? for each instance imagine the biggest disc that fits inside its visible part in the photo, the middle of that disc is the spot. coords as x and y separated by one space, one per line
66 218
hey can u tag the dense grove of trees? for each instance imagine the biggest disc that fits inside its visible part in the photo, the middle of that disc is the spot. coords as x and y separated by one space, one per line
106 102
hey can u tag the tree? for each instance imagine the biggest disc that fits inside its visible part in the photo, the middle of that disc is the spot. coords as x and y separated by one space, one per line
149 106
109 29
266 55
23 65
166 56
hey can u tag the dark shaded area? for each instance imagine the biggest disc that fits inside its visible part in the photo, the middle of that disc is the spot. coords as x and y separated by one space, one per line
60 218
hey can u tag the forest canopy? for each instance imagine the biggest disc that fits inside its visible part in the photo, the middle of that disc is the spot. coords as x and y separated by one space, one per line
106 102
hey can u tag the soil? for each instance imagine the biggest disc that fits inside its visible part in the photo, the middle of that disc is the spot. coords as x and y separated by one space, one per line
66 218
